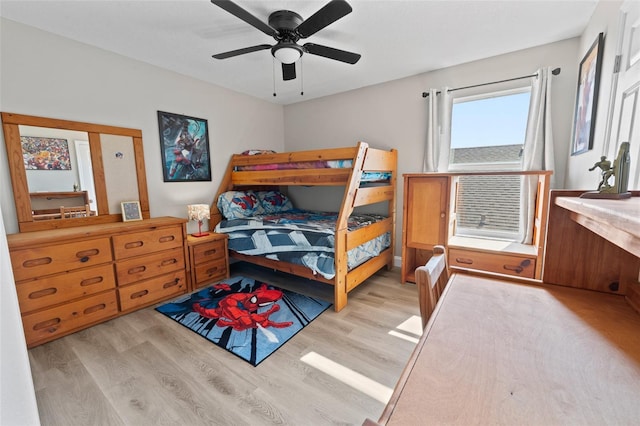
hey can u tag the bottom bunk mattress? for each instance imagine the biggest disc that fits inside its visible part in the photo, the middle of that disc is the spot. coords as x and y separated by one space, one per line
301 237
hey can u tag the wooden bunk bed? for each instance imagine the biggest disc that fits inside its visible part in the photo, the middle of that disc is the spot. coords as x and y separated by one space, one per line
363 160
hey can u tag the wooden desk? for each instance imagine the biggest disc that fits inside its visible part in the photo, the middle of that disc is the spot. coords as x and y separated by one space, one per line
617 221
594 244
498 352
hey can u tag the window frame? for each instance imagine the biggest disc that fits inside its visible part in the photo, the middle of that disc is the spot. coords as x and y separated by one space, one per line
467 232
488 166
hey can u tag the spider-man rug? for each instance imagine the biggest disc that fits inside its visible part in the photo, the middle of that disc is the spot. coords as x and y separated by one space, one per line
249 318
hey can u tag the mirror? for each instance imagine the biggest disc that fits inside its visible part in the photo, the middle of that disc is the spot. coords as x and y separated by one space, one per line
79 172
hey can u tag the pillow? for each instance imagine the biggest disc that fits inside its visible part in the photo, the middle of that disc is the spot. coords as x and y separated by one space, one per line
239 204
274 202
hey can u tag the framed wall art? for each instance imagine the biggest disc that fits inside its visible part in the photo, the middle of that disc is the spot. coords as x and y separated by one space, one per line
45 153
131 211
584 121
185 148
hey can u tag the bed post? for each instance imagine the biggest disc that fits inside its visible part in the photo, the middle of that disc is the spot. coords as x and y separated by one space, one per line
340 287
225 185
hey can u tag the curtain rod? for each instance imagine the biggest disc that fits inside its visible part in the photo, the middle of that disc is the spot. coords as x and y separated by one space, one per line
555 71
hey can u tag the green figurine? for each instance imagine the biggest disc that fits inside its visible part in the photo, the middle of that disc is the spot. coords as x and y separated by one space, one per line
619 171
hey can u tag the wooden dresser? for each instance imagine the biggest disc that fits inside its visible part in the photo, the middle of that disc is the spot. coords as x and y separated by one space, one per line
70 279
209 259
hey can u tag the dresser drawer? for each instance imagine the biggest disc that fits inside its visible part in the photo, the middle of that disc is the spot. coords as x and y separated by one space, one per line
49 324
41 261
207 252
144 293
52 290
138 243
520 266
144 267
211 271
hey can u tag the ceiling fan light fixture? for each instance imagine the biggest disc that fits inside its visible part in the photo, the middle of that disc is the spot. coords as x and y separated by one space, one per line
287 54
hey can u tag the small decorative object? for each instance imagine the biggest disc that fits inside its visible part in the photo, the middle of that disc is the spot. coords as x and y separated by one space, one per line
131 210
619 171
185 148
198 212
76 187
587 98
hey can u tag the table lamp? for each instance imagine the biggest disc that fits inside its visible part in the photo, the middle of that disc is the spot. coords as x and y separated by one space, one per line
198 212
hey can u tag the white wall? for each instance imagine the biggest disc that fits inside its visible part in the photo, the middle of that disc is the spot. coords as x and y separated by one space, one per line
393 114
46 75
604 19
17 396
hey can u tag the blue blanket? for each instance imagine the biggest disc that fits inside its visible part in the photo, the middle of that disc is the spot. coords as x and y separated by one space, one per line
301 237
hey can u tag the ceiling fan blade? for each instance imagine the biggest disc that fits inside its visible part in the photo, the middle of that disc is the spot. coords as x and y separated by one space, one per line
237 52
247 17
288 71
331 53
327 15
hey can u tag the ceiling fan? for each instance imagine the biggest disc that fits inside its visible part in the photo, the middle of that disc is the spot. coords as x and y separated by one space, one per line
287 27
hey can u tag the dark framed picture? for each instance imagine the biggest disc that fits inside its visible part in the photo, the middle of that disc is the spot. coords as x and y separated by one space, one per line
131 210
185 148
587 98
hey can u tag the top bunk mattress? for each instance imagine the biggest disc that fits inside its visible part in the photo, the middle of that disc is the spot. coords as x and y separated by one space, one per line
367 176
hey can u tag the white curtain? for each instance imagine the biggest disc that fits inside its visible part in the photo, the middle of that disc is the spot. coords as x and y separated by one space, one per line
538 148
436 154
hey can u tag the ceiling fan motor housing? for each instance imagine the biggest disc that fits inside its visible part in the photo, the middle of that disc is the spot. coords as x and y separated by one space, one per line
285 23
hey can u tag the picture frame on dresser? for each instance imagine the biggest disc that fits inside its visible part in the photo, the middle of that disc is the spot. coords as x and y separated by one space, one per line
587 97
184 143
131 211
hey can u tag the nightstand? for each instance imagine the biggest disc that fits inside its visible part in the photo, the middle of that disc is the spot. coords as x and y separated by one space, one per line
208 257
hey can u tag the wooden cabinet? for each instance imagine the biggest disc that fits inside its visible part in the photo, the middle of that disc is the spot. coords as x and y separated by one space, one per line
425 213
429 219
70 279
209 259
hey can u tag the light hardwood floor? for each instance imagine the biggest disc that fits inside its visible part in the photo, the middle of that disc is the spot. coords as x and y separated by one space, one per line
145 369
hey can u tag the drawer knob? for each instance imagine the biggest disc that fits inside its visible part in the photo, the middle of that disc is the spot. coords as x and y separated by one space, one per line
136 270
212 270
48 323
464 260
85 254
37 262
95 308
169 262
134 245
171 283
167 238
91 281
210 252
138 294
515 268
42 293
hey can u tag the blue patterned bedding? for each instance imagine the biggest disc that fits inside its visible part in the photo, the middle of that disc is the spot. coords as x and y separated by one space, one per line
302 237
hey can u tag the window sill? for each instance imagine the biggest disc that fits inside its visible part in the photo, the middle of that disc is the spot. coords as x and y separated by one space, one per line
492 245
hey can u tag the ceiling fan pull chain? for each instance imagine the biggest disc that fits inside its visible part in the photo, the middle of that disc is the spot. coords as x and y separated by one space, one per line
273 73
301 79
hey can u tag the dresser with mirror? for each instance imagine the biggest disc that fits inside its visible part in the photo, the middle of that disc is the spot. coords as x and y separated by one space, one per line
75 261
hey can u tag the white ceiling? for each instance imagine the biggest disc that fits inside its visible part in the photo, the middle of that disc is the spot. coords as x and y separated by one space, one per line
397 38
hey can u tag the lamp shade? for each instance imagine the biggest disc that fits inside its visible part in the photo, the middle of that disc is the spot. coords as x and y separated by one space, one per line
198 211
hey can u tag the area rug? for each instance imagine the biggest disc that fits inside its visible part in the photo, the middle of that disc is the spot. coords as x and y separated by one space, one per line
249 318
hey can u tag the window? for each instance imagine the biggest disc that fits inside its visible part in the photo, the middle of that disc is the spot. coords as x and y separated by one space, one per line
488 133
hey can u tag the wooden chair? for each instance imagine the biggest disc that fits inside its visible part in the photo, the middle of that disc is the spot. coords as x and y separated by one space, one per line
431 280
75 211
